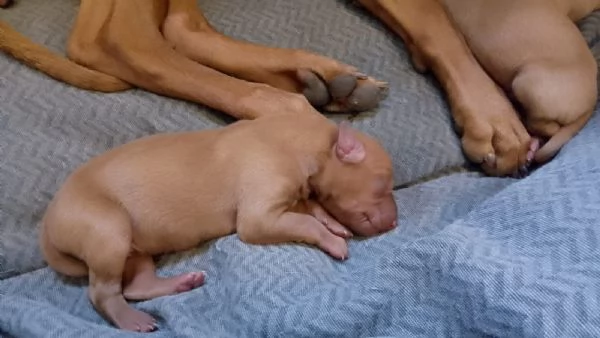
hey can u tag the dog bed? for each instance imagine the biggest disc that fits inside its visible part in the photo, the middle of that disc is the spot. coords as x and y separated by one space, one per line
473 256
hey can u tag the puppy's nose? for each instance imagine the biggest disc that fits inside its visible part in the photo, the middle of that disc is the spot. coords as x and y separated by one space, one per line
388 225
389 215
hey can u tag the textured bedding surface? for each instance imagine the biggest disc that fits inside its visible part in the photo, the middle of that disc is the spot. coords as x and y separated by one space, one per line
473 256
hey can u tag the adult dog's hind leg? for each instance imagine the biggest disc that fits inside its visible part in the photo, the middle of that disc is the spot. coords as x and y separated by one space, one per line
327 83
492 133
6 3
123 38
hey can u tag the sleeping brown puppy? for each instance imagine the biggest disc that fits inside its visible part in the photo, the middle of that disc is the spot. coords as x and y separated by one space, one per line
276 179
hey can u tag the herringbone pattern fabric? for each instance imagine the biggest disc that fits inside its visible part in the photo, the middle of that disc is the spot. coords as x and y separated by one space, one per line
472 257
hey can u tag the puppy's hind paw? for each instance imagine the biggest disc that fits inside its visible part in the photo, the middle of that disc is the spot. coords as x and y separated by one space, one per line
137 321
190 281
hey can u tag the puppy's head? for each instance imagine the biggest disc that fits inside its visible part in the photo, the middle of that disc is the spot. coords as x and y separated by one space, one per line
355 184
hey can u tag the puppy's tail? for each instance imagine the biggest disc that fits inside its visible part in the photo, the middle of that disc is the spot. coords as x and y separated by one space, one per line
60 261
56 66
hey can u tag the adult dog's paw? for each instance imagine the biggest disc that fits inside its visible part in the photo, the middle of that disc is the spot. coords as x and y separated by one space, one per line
6 3
499 142
350 92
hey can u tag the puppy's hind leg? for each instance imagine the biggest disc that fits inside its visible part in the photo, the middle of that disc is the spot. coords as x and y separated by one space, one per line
58 260
141 282
105 253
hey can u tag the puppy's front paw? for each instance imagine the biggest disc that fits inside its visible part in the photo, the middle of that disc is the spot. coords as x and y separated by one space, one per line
335 246
349 92
335 227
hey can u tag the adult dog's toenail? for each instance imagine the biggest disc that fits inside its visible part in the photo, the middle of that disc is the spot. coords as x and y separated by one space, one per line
535 144
365 97
361 76
523 171
530 156
490 159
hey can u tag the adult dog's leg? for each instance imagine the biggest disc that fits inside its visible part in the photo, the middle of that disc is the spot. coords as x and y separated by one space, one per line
6 3
325 82
492 133
122 38
534 50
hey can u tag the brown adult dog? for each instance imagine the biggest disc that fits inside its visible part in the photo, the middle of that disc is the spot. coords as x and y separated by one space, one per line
169 192
481 51
169 48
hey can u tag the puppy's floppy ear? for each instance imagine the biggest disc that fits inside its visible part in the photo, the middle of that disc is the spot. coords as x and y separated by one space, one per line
348 147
